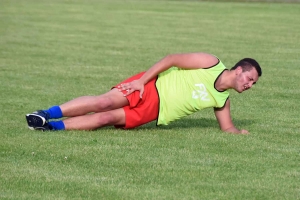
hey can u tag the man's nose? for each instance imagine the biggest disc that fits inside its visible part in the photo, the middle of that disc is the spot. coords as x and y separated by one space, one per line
250 84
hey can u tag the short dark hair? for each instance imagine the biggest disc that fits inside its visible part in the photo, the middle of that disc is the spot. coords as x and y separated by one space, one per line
247 64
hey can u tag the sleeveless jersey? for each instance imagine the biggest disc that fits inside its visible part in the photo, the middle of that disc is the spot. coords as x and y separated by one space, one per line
185 91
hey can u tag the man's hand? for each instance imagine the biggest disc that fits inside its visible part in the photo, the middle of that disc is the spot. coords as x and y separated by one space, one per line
130 87
236 131
224 119
244 131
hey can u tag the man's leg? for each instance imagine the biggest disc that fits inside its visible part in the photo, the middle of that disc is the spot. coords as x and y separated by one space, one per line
96 120
87 104
77 107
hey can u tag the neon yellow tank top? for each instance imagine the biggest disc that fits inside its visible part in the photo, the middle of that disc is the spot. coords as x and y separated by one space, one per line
183 92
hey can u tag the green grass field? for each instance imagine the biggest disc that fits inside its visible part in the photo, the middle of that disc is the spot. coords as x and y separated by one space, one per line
54 51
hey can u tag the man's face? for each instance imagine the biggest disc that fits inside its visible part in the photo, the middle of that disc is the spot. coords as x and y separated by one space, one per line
245 80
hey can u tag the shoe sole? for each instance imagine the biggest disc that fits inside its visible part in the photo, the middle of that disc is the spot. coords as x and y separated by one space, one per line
37 128
35 121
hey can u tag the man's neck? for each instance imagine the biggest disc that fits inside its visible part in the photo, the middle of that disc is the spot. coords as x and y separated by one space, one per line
225 81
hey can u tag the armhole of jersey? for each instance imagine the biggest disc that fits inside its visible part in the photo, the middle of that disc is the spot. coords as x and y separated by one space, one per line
214 64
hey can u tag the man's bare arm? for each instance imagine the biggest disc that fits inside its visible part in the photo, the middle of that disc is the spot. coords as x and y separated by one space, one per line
224 118
184 60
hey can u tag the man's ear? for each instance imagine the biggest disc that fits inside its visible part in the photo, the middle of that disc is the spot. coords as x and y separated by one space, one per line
238 70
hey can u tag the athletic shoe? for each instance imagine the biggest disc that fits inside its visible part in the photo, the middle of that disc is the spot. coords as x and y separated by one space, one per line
45 127
37 119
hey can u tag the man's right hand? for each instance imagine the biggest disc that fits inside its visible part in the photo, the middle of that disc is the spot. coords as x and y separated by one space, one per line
132 86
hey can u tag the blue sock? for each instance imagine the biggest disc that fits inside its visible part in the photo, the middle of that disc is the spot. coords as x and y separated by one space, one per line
57 125
54 112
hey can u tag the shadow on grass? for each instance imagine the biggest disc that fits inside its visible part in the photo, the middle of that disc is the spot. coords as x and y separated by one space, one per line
200 123
186 123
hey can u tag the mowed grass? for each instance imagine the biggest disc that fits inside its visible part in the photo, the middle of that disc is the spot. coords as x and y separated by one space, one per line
54 51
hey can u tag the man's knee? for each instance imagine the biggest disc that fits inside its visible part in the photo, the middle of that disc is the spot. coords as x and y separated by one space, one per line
105 119
110 118
111 100
104 103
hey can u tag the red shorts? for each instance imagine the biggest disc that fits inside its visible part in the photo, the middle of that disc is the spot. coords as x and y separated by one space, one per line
141 111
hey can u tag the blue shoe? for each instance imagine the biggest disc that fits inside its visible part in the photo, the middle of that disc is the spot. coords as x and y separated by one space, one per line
37 119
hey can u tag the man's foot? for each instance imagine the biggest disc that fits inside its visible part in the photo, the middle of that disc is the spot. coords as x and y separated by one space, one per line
45 127
37 119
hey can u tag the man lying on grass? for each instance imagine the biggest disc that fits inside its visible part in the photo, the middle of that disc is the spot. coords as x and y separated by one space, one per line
176 86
